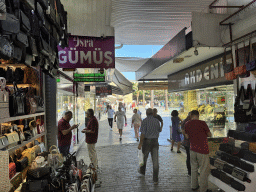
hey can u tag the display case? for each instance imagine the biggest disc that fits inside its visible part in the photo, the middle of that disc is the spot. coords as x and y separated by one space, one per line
215 105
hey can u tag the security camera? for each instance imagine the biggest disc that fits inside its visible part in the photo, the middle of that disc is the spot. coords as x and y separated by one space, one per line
196 52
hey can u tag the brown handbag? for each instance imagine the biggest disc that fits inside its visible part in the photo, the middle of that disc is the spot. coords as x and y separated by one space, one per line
30 154
231 74
252 147
239 70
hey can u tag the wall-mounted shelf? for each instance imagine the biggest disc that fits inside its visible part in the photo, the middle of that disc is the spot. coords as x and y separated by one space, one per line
12 149
4 120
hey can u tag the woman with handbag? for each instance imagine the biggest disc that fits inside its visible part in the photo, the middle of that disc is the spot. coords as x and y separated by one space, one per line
176 131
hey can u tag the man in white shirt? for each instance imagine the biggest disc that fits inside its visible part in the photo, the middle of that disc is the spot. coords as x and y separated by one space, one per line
111 113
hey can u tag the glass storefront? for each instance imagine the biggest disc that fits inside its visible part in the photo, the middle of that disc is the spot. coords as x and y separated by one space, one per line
68 101
215 105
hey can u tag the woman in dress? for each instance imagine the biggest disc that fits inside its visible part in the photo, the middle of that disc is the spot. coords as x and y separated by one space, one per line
120 121
136 121
176 122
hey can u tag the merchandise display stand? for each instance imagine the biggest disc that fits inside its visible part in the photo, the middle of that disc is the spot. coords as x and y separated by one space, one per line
249 187
7 184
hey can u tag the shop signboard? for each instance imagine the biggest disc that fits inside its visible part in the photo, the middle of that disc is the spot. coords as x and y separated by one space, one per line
88 52
89 77
104 91
205 74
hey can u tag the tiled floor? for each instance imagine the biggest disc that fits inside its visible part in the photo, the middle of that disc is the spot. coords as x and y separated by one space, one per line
118 163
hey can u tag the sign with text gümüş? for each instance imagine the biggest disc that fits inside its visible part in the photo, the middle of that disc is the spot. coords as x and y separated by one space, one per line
88 52
107 90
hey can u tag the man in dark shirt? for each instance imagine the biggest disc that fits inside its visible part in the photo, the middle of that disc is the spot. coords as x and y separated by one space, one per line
197 132
91 133
64 133
158 117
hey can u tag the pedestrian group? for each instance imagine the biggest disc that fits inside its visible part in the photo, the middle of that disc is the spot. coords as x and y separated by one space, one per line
194 130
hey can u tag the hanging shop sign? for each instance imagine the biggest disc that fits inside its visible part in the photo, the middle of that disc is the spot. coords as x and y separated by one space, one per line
205 74
88 52
107 90
89 77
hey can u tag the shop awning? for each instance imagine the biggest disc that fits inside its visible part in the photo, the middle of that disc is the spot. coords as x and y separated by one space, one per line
122 83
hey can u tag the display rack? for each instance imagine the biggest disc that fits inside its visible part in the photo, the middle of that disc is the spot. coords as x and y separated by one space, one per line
249 187
4 120
12 149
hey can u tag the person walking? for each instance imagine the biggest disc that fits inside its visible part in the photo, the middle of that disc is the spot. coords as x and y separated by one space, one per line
186 143
111 113
175 130
150 129
91 133
197 132
64 133
120 121
136 122
158 117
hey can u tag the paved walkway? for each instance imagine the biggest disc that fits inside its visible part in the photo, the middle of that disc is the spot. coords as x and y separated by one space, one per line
118 162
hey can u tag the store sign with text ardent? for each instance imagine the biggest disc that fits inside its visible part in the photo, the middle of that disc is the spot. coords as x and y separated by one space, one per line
88 52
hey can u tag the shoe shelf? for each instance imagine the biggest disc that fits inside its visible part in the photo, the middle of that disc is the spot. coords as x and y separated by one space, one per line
4 120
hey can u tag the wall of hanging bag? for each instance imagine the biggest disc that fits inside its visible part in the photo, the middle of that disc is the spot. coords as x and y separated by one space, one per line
229 67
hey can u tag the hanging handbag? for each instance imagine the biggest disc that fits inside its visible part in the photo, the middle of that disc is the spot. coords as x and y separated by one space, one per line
32 47
3 142
9 75
50 13
240 113
21 164
29 3
229 74
12 170
34 22
28 135
43 3
4 99
9 26
17 53
6 48
21 40
17 102
40 13
227 67
24 22
251 64
239 70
